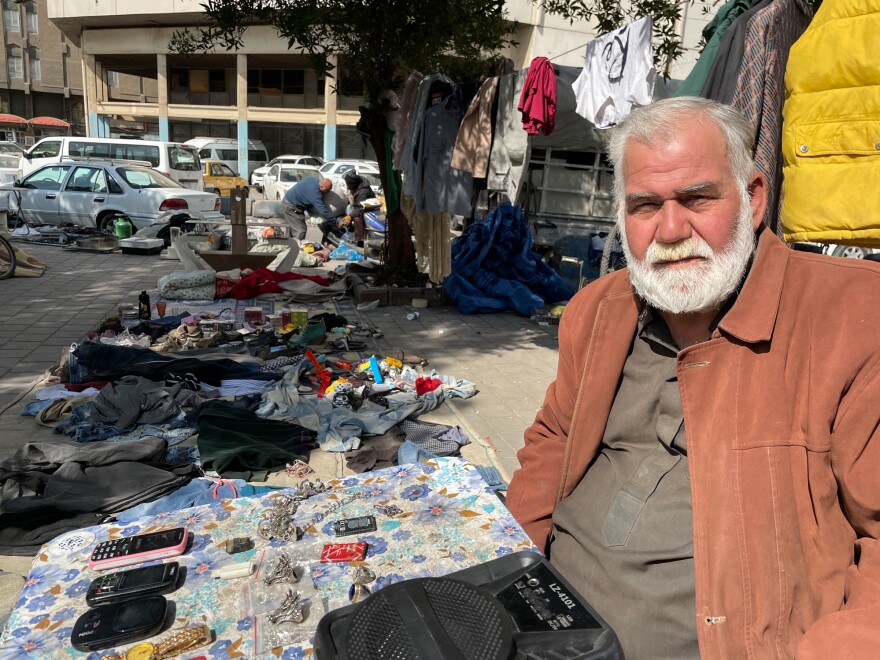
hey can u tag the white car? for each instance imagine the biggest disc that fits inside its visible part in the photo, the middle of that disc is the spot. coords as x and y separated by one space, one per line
281 177
12 148
91 194
336 168
369 169
288 159
8 167
835 250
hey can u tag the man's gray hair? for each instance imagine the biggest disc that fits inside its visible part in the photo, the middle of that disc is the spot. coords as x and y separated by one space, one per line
660 121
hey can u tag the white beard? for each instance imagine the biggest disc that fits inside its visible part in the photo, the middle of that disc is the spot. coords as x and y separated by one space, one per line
698 288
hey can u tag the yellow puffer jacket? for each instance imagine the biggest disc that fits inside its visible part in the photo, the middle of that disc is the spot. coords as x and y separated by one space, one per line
831 128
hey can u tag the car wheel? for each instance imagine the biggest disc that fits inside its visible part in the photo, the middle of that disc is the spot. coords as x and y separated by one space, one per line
850 252
105 223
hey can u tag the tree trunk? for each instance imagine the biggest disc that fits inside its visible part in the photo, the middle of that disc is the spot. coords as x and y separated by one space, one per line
401 257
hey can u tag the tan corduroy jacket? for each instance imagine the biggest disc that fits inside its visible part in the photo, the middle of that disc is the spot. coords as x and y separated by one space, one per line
782 412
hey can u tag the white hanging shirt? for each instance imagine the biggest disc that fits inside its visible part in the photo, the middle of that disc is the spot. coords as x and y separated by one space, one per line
618 74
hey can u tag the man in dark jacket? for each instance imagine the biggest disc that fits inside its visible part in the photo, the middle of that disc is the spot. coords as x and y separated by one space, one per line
359 191
307 195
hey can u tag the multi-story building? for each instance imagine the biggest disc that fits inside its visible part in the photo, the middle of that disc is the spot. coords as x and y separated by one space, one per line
264 91
41 77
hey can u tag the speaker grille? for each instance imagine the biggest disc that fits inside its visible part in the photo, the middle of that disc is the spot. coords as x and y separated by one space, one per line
472 621
475 623
378 633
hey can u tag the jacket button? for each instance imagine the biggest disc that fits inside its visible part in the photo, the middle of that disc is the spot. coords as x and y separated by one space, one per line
877 145
804 148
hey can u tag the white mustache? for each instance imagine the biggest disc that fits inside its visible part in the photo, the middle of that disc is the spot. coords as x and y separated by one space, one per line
685 249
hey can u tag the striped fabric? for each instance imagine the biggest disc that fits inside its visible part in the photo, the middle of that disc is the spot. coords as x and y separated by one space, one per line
760 87
439 439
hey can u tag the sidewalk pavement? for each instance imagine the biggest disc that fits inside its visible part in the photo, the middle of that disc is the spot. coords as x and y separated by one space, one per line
511 359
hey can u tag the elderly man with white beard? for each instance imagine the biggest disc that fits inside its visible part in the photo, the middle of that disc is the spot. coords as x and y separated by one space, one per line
704 469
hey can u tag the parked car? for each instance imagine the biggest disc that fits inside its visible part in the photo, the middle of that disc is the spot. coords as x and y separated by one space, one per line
834 250
289 159
335 169
8 167
92 194
220 179
13 148
176 161
280 178
226 150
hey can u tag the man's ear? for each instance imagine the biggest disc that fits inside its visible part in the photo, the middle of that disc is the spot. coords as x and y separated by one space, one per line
757 198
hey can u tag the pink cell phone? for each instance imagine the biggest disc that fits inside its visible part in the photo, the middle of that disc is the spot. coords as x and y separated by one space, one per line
138 549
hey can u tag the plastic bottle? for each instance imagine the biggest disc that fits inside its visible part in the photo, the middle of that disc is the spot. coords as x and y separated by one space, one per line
144 306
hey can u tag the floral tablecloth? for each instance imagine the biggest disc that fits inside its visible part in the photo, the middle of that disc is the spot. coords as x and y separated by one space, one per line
451 520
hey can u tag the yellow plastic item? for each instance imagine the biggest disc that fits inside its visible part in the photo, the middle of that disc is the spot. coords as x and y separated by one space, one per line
557 311
393 362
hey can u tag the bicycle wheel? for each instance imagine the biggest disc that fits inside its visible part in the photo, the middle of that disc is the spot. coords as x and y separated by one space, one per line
7 259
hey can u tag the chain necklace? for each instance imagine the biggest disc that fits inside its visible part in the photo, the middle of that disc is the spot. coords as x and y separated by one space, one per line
277 522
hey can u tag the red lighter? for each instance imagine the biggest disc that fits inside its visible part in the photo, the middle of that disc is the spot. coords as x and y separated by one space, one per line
343 552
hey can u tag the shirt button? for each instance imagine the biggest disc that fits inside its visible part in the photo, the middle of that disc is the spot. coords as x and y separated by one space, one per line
804 148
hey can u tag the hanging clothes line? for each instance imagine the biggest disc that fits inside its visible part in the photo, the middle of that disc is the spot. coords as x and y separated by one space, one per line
570 50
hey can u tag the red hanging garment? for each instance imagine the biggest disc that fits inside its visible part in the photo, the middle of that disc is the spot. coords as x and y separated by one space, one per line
538 101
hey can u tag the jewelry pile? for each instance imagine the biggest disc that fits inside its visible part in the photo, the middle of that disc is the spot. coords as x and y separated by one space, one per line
290 611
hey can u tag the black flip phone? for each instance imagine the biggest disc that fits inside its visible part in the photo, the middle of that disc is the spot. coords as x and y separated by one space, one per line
119 623
135 583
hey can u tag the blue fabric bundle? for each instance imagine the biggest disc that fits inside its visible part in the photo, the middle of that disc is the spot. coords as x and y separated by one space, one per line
495 269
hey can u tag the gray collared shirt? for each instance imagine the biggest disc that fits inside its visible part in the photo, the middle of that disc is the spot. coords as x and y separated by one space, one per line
624 536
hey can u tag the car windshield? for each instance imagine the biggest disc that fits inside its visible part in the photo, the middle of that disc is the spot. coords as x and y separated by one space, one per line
225 170
184 159
293 174
372 179
11 148
141 177
326 167
9 160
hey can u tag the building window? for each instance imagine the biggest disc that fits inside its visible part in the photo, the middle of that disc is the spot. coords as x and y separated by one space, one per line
276 81
112 79
11 17
179 80
294 81
34 57
14 62
33 21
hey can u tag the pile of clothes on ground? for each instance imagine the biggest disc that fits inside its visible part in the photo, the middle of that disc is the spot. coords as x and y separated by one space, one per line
156 416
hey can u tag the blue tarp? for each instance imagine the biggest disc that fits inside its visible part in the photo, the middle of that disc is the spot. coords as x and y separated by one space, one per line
494 268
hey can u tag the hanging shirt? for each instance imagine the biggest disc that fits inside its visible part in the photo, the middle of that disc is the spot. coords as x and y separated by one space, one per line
538 101
617 76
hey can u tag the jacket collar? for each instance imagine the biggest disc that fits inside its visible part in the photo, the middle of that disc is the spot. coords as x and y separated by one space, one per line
753 316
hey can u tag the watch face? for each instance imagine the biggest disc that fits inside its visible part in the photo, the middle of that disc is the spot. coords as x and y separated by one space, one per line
143 651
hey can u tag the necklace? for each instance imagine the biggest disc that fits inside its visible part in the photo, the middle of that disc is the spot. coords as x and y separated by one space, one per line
277 521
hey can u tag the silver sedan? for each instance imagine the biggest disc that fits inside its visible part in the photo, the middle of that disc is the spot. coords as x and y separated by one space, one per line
91 194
